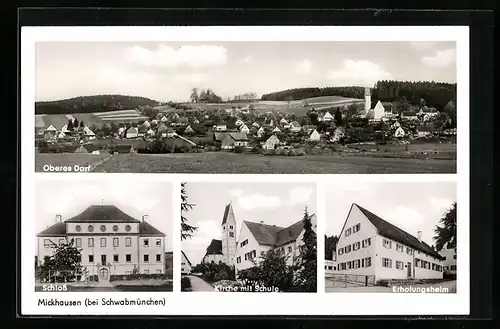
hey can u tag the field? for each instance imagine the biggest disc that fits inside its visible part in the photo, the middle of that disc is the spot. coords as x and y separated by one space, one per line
67 159
331 100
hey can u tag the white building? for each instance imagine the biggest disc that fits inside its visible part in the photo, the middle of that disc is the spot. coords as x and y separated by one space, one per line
327 117
371 246
110 242
315 136
223 251
244 129
450 259
185 264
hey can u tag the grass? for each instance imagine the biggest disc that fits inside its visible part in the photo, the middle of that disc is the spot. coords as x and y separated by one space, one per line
330 99
163 287
227 163
67 159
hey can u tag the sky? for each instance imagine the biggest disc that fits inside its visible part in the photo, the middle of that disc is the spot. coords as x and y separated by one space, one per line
280 204
70 198
410 206
169 71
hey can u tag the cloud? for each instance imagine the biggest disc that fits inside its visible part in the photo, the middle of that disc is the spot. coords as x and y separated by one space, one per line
247 59
300 195
422 45
254 201
166 56
303 67
441 58
361 72
190 77
441 203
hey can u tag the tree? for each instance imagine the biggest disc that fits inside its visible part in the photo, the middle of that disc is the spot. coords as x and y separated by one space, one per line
186 229
338 117
422 102
82 125
447 232
451 111
64 265
70 125
330 246
76 123
194 95
307 260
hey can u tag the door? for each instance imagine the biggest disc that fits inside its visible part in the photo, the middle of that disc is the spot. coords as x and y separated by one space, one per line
104 273
408 268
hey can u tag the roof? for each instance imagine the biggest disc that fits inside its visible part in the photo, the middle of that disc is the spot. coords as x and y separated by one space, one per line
226 213
91 147
393 232
103 213
238 136
58 229
220 136
132 129
273 235
147 229
214 248
187 257
409 113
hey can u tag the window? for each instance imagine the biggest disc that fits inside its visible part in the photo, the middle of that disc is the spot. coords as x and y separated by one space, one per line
454 256
91 242
146 258
116 242
146 243
453 267
103 242
366 242
356 263
444 257
238 260
128 272
61 241
289 249
399 247
158 258
158 271
356 246
244 243
409 251
399 265
128 258
78 242
115 258
348 249
115 228
231 227
103 228
341 251
91 258
366 262
231 234
90 228
387 244
128 242
146 271
47 243
356 228
348 232
79 258
128 228
386 262
103 259
330 267
158 242
78 228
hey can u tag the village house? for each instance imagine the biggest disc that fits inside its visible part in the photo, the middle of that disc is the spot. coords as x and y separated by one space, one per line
51 129
276 130
256 124
371 246
164 119
337 135
308 128
244 129
399 133
295 127
425 131
315 136
239 122
150 133
284 122
220 127
409 115
169 133
233 139
188 130
111 242
185 264
132 132
260 132
196 121
271 143
327 117
449 254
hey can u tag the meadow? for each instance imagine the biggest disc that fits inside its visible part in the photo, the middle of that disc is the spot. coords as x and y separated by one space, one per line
67 159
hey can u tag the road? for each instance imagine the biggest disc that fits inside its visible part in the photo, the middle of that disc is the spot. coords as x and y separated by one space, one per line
197 284
442 287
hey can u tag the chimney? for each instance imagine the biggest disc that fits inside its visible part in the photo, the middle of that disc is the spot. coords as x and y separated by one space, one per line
58 219
261 222
145 218
419 236
368 99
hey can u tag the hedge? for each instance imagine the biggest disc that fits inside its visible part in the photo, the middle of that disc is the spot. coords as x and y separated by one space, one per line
185 284
130 277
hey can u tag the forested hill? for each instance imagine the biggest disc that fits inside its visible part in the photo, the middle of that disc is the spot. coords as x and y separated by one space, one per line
89 104
303 93
436 94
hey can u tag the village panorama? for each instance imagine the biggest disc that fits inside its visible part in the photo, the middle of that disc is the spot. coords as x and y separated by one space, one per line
393 127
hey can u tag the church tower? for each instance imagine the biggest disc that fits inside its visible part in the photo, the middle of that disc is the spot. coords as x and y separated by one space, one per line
228 227
368 99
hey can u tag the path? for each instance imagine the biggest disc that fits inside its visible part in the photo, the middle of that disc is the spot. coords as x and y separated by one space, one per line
198 284
450 285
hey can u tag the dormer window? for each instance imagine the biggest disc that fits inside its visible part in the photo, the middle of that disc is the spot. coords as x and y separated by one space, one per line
128 228
91 228
78 228
115 228
103 228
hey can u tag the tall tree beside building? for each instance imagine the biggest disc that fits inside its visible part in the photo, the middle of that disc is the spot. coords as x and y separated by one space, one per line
75 123
70 125
308 257
446 231
64 265
330 246
194 95
186 229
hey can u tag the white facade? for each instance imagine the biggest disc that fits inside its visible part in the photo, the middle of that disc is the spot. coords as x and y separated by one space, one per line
368 99
315 136
361 250
450 262
378 111
229 237
185 264
248 249
214 258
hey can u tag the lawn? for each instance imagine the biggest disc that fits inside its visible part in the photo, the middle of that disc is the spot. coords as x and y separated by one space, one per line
67 159
221 162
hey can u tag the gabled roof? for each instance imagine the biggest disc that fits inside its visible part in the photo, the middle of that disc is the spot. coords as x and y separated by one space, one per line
147 229
214 248
220 135
186 257
132 129
98 213
238 136
393 232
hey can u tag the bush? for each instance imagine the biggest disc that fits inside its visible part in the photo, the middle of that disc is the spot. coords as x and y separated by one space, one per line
185 284
139 276
257 150
93 278
382 283
239 149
